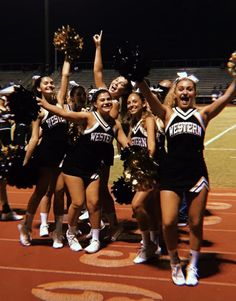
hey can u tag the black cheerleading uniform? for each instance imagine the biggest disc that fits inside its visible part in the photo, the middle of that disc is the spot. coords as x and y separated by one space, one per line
86 157
5 129
184 166
139 138
52 147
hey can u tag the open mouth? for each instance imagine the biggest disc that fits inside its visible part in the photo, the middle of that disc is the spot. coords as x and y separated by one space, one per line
109 105
184 98
113 88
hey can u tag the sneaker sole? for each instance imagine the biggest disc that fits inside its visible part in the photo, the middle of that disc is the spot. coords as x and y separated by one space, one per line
57 246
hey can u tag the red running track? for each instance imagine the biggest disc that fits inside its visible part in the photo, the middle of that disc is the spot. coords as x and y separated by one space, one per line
40 272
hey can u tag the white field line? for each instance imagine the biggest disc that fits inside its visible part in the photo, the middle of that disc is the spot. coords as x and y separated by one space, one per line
117 276
135 245
221 149
220 135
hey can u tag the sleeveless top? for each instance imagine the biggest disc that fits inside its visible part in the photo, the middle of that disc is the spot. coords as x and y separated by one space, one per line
5 129
139 138
184 165
92 148
52 147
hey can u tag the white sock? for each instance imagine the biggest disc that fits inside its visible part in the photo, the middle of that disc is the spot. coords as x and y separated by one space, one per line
59 223
145 238
44 218
95 234
194 256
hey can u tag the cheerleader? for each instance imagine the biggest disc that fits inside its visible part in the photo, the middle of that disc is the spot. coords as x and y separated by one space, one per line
83 163
119 89
48 145
5 139
185 171
145 203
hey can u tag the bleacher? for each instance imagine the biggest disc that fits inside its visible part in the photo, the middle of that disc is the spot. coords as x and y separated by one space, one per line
208 78
15 77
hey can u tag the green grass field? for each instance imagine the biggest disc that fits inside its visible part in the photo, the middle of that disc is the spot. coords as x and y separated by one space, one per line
220 151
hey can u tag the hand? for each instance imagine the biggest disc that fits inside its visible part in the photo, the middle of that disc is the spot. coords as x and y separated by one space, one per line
41 102
98 39
231 65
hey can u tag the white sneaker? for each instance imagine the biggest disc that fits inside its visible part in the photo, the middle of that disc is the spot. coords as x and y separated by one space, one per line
43 230
57 240
73 242
177 274
145 253
93 247
192 275
25 235
84 216
11 216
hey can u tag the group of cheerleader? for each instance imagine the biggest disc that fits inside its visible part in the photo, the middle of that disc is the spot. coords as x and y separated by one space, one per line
73 150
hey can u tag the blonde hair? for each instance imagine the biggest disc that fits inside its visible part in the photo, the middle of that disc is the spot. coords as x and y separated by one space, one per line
171 99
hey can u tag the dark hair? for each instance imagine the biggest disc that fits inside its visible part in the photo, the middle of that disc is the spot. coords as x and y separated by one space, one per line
97 93
37 83
139 94
77 90
128 88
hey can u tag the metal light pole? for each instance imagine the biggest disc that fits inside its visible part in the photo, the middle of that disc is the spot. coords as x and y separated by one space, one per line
46 33
55 60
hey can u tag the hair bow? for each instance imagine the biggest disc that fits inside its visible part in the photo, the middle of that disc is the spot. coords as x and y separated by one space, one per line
73 83
182 75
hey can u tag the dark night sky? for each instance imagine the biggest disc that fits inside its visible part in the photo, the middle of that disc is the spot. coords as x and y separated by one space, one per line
177 29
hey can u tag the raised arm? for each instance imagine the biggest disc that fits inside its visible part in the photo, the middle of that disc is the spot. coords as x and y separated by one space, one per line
61 96
98 66
156 106
68 115
217 106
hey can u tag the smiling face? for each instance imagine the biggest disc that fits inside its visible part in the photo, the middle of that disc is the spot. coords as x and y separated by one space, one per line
118 86
46 86
135 104
103 103
185 93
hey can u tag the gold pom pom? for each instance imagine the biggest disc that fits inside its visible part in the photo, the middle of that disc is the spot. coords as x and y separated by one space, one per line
66 39
231 65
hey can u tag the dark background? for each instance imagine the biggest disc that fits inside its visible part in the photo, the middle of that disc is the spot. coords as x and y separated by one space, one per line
182 29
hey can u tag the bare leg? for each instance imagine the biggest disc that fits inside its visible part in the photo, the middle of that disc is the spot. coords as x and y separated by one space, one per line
170 202
196 215
139 209
94 208
76 190
3 196
94 204
108 206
